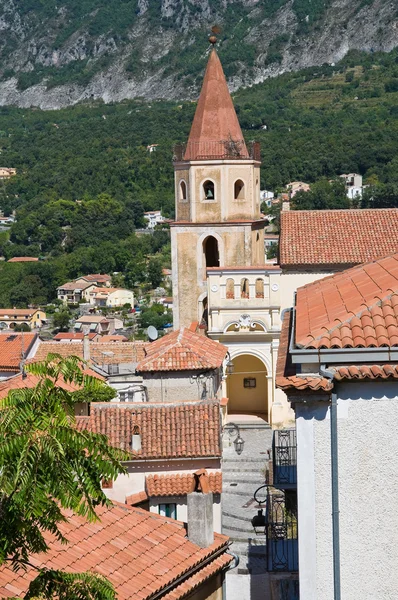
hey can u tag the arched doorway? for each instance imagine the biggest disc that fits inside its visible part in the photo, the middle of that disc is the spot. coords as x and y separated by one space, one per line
247 386
211 253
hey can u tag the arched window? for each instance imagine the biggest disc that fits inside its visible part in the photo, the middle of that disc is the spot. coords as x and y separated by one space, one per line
136 439
208 191
239 192
244 288
183 191
210 251
259 288
230 289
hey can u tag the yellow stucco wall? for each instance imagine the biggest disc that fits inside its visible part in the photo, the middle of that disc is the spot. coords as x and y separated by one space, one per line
247 400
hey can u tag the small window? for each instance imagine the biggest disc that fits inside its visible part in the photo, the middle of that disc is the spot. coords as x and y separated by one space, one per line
230 289
244 288
239 190
113 369
136 439
249 382
168 510
183 191
208 191
259 288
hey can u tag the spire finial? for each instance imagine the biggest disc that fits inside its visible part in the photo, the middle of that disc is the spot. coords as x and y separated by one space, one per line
215 30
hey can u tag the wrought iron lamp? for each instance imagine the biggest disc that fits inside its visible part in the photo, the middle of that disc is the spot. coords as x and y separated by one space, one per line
259 522
239 443
229 367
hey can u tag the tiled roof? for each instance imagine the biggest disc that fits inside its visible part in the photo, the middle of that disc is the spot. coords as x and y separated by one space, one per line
366 372
179 484
215 118
96 277
183 350
104 339
167 430
92 319
352 309
137 498
74 336
11 347
73 285
139 552
337 237
101 353
23 259
18 312
30 381
286 372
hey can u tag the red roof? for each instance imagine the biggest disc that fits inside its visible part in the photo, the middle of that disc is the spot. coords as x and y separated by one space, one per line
137 498
30 381
74 336
101 353
357 308
182 350
167 430
11 347
141 553
23 259
179 484
337 237
215 120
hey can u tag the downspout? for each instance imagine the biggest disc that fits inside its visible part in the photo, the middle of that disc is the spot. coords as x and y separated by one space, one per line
335 484
231 566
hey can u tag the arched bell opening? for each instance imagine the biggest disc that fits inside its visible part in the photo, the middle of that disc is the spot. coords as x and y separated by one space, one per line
209 191
239 190
183 191
230 289
244 288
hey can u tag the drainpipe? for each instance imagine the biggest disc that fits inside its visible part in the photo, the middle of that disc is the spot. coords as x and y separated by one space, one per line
335 484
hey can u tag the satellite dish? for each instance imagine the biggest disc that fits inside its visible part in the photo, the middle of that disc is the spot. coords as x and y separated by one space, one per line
152 333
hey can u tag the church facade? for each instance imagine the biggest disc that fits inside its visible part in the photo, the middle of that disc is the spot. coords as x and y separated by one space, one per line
220 278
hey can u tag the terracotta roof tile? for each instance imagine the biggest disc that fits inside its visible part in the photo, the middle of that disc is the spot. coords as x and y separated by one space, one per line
182 350
167 430
141 553
11 347
137 498
337 237
23 259
74 336
179 484
286 373
366 372
101 353
355 308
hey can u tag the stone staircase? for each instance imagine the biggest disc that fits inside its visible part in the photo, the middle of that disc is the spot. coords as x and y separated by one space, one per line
242 475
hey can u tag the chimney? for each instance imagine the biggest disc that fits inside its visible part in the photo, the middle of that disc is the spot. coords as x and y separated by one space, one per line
285 205
200 512
86 347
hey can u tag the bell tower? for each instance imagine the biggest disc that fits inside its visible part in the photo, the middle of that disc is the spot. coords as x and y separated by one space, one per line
217 192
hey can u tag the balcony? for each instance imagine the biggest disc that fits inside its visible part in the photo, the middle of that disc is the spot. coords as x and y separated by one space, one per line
284 454
216 150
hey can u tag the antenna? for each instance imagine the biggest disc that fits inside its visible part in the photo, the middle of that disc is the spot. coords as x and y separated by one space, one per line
152 333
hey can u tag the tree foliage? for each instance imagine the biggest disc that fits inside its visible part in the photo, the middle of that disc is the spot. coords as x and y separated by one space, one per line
322 195
47 465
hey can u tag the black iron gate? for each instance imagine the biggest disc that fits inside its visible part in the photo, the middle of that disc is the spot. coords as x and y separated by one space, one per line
281 530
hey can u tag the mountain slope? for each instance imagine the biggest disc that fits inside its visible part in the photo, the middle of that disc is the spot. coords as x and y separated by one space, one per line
54 54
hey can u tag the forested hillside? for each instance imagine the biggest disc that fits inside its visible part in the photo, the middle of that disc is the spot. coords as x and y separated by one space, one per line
85 175
58 53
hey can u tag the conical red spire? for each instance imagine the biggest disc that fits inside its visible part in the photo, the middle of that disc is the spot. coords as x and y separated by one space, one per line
215 131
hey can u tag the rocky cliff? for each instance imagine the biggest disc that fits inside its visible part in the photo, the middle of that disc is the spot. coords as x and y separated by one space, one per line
54 54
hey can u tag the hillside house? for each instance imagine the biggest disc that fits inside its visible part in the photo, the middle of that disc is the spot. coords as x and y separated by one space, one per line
32 317
297 186
7 172
74 292
153 218
111 297
98 324
24 259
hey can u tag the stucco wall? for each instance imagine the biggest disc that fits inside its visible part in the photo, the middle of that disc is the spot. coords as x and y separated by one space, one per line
177 387
368 492
289 282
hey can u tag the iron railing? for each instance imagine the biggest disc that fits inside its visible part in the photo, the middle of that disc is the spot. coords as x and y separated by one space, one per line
284 451
281 531
214 150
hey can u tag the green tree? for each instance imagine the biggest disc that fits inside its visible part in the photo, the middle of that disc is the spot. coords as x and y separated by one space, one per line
47 465
155 276
323 195
61 320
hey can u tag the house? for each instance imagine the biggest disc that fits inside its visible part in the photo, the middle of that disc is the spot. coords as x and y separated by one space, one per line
99 279
316 243
152 148
353 184
338 364
14 348
11 317
97 324
167 444
166 275
74 292
153 218
267 197
297 186
108 296
7 172
23 259
183 365
115 360
145 556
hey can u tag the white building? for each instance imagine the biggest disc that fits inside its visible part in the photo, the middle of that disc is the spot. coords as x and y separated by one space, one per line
111 297
153 218
338 363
